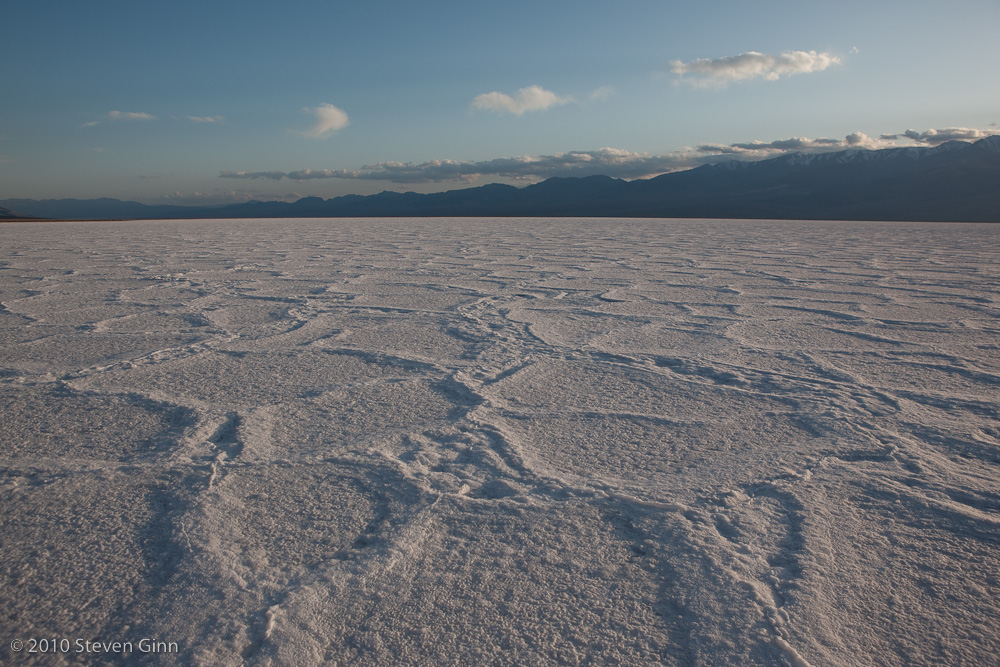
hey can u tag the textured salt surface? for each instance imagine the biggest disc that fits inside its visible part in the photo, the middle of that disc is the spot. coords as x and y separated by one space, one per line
502 442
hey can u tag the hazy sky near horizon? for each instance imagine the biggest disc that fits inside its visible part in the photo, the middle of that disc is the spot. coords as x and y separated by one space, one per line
212 102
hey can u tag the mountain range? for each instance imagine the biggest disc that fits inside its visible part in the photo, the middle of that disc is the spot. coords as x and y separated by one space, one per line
955 181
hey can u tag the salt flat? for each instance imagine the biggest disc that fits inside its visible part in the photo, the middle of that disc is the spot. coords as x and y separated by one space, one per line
487 441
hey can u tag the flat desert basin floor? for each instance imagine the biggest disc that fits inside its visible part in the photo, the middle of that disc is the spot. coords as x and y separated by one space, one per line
500 442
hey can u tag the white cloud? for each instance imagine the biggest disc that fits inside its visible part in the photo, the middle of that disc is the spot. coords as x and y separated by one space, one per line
763 149
329 119
532 98
750 65
120 115
937 137
130 115
206 119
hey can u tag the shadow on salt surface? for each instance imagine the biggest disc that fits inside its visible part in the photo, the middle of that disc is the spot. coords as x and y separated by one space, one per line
285 518
653 453
80 547
418 335
68 352
155 322
398 293
503 582
947 375
116 427
65 305
358 415
263 535
250 378
788 334
898 571
635 425
632 335
959 438
251 321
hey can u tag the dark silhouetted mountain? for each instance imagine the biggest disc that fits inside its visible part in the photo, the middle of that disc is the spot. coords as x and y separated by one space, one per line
93 209
956 181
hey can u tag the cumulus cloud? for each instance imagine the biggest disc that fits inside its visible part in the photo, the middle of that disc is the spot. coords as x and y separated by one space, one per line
130 115
614 162
329 119
532 98
206 119
751 65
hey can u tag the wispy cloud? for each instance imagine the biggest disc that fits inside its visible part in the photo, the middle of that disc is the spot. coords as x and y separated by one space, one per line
532 98
602 94
718 72
329 119
206 119
114 116
256 175
218 196
130 115
614 162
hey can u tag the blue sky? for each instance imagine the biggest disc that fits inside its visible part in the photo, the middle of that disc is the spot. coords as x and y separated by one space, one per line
211 102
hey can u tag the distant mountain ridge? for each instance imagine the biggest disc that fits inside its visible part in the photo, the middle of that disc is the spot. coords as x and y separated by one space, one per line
953 182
